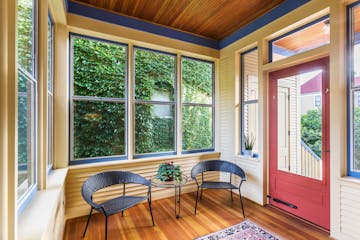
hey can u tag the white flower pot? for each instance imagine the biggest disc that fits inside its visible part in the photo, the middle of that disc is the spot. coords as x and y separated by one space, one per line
248 153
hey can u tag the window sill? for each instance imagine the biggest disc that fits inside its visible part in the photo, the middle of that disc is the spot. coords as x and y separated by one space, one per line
143 160
248 159
350 180
38 216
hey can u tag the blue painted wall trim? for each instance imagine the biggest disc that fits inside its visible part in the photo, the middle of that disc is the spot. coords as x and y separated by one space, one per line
114 18
276 13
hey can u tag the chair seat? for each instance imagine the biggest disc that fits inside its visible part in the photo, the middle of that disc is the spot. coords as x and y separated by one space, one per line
218 185
121 203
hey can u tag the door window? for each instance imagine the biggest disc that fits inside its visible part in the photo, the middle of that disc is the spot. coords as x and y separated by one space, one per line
300 124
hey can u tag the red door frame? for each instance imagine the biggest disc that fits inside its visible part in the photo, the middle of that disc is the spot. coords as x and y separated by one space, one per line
311 196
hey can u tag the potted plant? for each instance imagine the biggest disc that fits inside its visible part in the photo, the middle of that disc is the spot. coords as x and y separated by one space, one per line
167 171
249 142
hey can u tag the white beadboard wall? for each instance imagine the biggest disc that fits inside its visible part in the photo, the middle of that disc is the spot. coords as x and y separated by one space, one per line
349 210
229 108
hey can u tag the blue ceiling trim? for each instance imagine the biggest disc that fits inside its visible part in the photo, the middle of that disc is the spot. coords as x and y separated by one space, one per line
276 13
118 19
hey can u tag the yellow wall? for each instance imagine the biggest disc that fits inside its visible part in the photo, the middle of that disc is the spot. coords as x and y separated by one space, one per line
344 214
344 190
7 120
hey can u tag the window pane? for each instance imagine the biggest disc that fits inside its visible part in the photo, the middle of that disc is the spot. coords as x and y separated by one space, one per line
50 37
197 128
99 129
99 68
197 81
299 124
250 95
26 35
50 54
356 137
50 131
250 75
154 75
154 128
305 38
356 47
251 123
26 134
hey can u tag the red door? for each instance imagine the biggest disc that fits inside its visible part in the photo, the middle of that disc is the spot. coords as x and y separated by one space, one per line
299 141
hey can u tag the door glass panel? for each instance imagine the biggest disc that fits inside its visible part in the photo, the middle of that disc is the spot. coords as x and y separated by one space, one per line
300 124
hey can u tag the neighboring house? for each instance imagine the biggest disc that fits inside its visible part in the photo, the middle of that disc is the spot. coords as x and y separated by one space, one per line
311 94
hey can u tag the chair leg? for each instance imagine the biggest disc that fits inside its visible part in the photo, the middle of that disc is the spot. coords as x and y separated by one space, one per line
152 218
197 196
87 222
122 213
242 205
106 226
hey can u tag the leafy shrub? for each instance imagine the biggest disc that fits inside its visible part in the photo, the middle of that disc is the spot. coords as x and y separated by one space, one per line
311 130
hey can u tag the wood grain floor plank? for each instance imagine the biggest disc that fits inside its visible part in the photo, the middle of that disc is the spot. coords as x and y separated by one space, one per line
215 212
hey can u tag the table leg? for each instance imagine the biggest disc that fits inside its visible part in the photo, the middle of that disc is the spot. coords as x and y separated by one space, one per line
177 201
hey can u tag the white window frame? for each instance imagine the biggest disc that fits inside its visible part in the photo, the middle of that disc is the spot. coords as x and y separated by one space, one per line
25 198
245 103
212 106
124 101
152 102
50 96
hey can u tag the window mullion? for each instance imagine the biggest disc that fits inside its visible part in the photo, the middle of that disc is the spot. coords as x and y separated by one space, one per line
131 102
98 99
178 107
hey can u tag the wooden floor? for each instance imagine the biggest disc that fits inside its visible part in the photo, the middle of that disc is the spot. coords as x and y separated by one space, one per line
215 212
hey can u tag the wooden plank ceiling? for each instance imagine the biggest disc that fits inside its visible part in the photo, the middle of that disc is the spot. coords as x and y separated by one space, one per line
214 19
313 36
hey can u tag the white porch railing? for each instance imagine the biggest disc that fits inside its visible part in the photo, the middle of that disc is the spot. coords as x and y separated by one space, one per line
311 164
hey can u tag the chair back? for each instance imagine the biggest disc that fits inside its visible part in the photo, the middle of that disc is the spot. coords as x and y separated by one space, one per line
107 179
217 165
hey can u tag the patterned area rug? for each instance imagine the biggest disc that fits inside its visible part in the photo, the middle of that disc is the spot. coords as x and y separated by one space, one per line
245 230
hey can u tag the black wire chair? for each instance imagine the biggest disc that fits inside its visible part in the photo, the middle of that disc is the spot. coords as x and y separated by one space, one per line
115 205
220 166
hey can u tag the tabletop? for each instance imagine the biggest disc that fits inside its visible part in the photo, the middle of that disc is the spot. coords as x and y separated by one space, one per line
168 184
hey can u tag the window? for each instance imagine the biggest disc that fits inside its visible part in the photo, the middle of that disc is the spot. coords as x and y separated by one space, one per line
27 95
50 78
98 100
354 90
154 102
249 99
304 38
317 101
100 97
197 105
